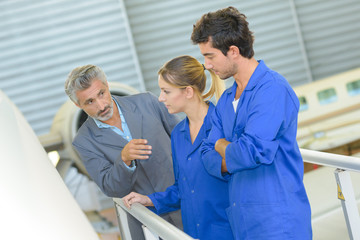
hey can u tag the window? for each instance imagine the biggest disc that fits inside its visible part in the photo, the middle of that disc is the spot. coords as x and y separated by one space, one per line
353 88
303 104
327 96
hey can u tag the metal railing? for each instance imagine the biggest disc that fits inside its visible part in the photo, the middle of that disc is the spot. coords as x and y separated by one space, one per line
158 226
343 164
331 160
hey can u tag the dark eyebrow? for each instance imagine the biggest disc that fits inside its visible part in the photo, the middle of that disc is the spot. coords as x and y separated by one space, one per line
207 54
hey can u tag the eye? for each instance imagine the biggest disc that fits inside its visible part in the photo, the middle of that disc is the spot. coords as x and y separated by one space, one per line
166 91
209 56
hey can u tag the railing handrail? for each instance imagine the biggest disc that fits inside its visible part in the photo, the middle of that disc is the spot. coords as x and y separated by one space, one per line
331 160
152 221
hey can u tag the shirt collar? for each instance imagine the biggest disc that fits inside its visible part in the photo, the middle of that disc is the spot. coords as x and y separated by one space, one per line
207 119
257 75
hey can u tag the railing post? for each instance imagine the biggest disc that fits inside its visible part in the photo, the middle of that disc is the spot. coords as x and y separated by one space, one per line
124 226
348 202
123 223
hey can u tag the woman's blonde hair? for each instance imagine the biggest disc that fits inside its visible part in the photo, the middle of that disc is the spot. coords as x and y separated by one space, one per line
186 71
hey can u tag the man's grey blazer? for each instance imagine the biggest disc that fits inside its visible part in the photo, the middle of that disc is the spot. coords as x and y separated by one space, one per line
100 149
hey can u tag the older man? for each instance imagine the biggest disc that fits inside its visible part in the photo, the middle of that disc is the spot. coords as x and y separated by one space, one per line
125 142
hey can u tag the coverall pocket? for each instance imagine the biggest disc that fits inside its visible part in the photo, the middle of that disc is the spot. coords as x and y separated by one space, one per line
219 232
264 221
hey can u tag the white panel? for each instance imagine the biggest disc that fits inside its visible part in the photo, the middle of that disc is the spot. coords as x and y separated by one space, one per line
41 41
35 202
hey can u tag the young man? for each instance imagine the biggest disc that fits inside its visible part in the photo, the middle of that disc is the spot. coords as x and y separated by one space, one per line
125 143
253 140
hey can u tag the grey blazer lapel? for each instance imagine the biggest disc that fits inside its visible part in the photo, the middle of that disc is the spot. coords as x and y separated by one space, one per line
106 136
133 117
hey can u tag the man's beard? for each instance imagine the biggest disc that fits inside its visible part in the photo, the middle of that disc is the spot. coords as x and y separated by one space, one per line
106 117
230 72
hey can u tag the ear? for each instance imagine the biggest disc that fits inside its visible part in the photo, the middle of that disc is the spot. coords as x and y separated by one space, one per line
234 51
189 92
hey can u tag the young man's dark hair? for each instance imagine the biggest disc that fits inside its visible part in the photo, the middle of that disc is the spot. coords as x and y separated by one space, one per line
224 28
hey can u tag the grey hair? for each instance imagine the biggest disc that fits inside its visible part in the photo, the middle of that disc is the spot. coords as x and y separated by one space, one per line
81 78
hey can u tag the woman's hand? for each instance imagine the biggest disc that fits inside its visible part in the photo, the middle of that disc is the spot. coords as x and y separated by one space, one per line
134 197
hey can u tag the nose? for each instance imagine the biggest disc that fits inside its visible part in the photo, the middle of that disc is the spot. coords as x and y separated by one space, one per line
208 65
101 104
161 97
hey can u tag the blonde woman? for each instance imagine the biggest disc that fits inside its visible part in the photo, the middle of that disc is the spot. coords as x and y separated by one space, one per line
201 197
